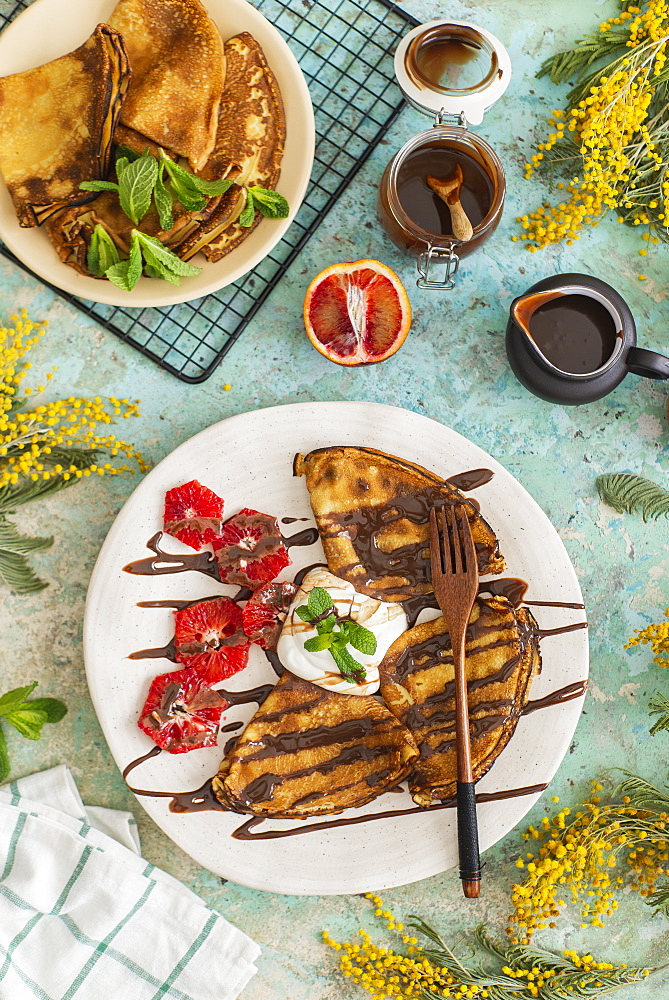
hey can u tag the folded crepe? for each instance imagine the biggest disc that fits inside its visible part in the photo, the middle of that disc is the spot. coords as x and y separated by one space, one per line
310 752
249 145
56 125
418 686
178 66
372 510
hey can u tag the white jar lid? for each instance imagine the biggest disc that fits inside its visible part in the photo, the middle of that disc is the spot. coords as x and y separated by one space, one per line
452 67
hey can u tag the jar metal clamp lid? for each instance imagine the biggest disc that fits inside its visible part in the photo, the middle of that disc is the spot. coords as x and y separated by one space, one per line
452 71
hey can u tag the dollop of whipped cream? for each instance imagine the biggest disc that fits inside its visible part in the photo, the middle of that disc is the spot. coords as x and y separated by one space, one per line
386 621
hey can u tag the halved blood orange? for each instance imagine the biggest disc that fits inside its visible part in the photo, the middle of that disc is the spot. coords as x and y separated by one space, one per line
357 314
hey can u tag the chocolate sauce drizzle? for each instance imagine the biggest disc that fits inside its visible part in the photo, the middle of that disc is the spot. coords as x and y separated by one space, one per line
164 562
201 562
243 832
411 561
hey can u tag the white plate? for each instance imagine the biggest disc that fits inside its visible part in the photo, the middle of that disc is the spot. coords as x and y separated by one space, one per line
49 29
248 461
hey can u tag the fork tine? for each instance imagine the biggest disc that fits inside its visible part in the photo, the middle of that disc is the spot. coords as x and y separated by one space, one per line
456 540
444 542
466 540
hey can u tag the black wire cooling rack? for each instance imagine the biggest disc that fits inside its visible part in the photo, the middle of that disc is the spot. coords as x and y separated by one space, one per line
345 49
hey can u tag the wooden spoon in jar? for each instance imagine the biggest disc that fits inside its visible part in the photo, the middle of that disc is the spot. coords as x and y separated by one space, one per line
448 189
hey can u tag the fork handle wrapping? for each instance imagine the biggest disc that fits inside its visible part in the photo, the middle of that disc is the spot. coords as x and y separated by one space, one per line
468 840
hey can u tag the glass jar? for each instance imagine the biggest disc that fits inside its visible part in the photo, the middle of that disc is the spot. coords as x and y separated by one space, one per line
453 71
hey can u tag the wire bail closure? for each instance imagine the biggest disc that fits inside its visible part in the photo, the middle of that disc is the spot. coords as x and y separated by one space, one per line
426 259
445 118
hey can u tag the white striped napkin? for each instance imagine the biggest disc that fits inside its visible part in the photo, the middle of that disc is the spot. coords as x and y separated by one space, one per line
84 917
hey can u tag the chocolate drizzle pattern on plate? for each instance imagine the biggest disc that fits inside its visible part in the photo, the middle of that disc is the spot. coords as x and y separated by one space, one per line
413 562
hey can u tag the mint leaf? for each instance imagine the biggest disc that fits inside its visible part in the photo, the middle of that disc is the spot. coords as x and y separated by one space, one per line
319 601
28 721
102 252
359 637
349 668
326 625
12 699
319 642
136 181
248 212
125 153
118 274
162 256
134 261
158 269
163 200
183 185
98 186
211 188
304 613
269 203
53 708
4 758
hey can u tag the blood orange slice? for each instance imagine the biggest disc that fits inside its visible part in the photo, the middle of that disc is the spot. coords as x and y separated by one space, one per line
357 314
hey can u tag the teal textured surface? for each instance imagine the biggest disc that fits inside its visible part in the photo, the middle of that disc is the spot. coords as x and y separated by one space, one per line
453 368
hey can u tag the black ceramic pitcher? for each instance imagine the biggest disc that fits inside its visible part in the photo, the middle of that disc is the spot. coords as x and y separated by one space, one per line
571 339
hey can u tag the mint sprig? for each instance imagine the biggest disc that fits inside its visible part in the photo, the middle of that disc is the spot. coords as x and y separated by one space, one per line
148 253
27 717
320 611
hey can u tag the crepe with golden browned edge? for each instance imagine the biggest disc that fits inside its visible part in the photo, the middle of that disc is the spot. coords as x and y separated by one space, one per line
372 512
178 66
56 125
70 230
249 146
310 752
417 685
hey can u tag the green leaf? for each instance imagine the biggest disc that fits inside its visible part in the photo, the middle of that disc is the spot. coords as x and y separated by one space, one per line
163 200
248 213
628 493
326 625
119 275
53 708
98 186
158 269
318 642
102 252
359 637
349 668
211 188
12 699
12 541
4 758
125 153
28 721
183 185
659 705
304 613
136 182
162 256
319 601
269 203
18 575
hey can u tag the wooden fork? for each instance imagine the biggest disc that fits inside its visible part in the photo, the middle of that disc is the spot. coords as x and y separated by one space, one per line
455 581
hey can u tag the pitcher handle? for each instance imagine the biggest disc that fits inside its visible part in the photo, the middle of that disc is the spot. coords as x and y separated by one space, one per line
648 364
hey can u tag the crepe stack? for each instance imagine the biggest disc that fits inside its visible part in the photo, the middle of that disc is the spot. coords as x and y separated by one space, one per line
248 149
417 685
57 123
178 66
